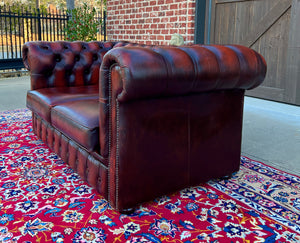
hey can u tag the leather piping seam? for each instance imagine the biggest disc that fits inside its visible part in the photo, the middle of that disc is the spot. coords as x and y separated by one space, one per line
109 132
110 139
189 145
117 153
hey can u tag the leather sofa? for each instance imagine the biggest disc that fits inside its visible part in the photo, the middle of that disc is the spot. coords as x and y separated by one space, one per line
138 122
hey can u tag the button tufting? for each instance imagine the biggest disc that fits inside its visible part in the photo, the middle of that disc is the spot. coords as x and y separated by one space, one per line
57 58
95 57
77 58
48 73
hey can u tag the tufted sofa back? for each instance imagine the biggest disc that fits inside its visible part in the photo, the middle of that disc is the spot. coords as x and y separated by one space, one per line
62 63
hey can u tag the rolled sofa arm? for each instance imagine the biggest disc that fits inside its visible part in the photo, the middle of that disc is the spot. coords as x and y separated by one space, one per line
168 71
63 63
150 71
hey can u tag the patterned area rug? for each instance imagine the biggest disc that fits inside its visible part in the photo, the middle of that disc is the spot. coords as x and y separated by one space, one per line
43 200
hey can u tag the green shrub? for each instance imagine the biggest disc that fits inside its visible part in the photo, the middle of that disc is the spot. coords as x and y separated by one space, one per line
82 24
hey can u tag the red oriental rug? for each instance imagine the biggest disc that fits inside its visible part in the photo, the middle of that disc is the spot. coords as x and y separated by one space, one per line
43 200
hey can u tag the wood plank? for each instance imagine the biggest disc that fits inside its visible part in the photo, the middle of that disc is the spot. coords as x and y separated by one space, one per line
207 21
217 27
240 19
232 1
275 40
213 21
274 49
259 10
266 22
243 18
293 56
224 13
231 23
220 24
267 92
282 40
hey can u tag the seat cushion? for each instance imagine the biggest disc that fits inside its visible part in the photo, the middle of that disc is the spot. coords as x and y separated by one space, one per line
78 120
41 101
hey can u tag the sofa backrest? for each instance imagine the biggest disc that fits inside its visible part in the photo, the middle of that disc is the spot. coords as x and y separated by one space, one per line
63 63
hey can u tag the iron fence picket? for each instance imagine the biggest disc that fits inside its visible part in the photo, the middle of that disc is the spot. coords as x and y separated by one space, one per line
23 25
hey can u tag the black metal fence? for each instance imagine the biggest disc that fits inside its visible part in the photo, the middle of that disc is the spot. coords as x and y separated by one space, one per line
19 25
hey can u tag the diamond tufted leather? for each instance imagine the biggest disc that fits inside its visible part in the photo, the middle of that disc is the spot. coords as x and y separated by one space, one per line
62 63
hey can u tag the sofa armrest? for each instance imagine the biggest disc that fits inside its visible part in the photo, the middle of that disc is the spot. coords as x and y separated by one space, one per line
133 73
168 71
62 63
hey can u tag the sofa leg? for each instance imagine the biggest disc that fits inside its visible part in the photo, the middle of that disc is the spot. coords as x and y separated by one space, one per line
226 177
127 211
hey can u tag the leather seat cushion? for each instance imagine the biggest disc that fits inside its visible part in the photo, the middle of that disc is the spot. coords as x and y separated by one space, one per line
41 101
78 120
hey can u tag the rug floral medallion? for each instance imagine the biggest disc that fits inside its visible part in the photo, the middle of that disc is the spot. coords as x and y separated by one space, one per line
43 200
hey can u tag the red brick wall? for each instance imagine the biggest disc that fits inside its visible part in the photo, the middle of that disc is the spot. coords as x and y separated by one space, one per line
150 21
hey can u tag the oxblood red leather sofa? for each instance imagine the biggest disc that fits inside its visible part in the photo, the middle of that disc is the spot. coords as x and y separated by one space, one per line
155 120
